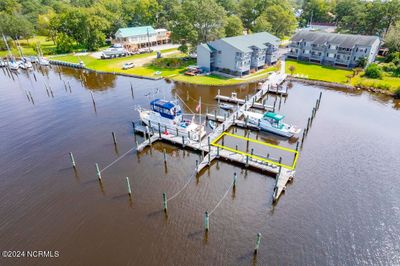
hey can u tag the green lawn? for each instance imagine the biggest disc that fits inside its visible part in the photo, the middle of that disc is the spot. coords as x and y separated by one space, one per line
386 83
318 72
115 64
29 46
216 80
331 74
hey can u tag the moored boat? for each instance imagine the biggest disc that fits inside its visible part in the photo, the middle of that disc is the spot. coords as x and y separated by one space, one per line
272 122
226 106
169 116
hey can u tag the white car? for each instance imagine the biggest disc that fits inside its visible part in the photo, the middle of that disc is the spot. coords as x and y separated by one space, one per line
128 66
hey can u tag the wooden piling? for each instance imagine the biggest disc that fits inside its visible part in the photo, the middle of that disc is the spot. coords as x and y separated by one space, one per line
129 187
258 240
164 196
206 221
114 139
234 179
98 171
165 156
72 159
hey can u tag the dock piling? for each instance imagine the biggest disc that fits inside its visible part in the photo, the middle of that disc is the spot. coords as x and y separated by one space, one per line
206 221
258 240
98 171
129 187
165 156
114 139
234 180
72 159
164 196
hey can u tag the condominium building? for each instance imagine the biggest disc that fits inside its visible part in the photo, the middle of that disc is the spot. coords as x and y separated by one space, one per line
333 48
238 55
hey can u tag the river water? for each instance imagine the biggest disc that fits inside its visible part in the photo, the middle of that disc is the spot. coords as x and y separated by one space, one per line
343 207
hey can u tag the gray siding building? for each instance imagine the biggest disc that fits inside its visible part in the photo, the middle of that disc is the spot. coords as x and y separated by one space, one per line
333 48
238 55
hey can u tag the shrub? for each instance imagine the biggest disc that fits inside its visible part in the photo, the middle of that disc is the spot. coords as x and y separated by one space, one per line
373 71
167 63
362 62
292 69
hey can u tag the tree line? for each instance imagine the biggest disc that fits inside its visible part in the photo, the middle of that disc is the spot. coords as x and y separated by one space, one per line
87 23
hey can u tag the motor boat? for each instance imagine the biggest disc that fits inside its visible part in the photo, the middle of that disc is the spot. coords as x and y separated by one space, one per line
225 106
272 122
169 116
43 62
14 66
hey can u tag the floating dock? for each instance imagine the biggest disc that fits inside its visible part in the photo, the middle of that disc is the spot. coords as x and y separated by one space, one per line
210 152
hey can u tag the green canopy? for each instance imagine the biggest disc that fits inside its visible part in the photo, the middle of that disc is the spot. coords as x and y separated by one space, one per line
275 116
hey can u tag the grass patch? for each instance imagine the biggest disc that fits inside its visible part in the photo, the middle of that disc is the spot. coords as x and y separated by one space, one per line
386 83
29 46
115 64
217 80
319 72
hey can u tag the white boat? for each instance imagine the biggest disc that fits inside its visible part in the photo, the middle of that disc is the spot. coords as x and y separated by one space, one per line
272 122
169 116
212 124
24 64
3 64
43 62
13 66
226 106
116 50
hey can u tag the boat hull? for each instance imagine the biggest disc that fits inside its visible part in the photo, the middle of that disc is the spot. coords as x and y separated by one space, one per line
171 126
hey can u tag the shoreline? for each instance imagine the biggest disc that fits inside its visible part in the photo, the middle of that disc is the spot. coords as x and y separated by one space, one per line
289 77
339 85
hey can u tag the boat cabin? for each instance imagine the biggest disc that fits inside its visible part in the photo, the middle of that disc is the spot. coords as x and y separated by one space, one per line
166 109
274 118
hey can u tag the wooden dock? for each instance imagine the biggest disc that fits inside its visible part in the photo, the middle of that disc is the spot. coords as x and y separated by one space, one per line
282 175
239 101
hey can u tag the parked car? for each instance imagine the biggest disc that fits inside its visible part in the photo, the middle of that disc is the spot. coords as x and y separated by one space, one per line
128 66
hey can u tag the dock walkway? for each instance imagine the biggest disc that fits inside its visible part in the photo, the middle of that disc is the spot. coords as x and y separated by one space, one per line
282 174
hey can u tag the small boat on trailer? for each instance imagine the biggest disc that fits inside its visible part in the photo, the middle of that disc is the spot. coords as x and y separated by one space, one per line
169 116
272 122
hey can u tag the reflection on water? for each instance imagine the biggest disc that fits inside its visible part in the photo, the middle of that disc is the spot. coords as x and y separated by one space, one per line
341 209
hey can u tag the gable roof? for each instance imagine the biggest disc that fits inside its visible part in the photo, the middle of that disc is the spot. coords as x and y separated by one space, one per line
342 40
243 42
134 31
208 47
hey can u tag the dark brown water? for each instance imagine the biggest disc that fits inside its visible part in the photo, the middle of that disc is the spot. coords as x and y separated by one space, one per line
343 207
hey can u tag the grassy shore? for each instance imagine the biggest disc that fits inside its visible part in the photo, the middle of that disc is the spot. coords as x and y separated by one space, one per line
114 65
148 70
338 75
217 80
